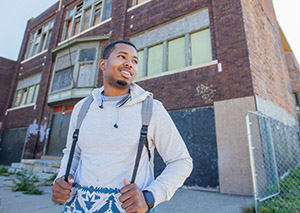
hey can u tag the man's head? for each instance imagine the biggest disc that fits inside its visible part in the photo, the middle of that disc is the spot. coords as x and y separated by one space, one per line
119 65
110 47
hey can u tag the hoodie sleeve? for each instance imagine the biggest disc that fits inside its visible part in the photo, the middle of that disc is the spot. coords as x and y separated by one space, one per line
66 151
173 151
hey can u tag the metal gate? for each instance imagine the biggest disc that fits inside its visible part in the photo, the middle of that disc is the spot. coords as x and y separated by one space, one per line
274 149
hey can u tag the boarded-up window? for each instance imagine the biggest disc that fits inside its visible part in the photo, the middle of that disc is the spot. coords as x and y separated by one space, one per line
39 39
108 9
93 12
66 61
85 76
23 97
36 92
30 95
140 64
176 54
27 89
87 55
18 98
62 79
97 13
201 47
155 60
86 19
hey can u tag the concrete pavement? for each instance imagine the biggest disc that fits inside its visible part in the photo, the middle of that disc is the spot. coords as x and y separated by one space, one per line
184 200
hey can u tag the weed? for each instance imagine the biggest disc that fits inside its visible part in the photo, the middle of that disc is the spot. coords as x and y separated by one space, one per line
288 199
3 171
25 182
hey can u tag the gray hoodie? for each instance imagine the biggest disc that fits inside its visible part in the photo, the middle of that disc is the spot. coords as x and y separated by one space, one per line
105 155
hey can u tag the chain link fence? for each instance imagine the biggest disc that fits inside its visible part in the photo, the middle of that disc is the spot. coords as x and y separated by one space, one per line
275 163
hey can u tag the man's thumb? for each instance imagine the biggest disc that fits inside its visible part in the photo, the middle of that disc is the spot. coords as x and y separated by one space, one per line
126 182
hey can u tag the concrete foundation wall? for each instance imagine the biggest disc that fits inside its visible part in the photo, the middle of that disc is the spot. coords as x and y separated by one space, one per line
232 144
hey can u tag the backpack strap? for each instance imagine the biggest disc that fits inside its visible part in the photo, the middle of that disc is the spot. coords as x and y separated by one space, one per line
83 110
146 117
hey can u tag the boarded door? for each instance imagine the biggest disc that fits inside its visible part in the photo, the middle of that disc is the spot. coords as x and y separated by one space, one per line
12 145
197 128
59 130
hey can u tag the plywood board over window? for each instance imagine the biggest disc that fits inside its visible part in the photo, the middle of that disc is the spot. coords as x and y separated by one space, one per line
27 91
176 54
155 60
201 47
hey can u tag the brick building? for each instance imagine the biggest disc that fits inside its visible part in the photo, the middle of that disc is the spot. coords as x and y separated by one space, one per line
208 61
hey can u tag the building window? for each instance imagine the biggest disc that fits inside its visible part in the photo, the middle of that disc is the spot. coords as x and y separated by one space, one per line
201 47
75 69
85 15
39 40
191 49
136 2
176 53
155 60
26 95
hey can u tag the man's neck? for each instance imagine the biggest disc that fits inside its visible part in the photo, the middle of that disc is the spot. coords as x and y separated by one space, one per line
111 91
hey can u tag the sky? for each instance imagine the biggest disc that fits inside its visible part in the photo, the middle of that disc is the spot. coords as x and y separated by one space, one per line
14 17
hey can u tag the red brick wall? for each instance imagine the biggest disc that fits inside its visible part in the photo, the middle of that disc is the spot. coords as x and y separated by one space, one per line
7 75
193 88
267 60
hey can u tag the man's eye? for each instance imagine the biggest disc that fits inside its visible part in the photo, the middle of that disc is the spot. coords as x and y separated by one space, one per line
135 62
121 56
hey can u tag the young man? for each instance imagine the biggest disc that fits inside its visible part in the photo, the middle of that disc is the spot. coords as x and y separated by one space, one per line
108 141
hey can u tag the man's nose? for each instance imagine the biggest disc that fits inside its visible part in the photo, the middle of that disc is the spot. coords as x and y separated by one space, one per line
128 64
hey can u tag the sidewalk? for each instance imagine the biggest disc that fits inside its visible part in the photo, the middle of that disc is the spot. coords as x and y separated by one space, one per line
183 201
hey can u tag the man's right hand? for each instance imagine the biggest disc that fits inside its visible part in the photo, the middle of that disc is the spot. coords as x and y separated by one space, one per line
61 189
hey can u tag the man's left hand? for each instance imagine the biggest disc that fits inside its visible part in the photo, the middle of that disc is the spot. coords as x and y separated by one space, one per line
132 198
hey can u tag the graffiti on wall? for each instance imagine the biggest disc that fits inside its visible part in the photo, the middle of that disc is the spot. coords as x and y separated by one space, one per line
205 92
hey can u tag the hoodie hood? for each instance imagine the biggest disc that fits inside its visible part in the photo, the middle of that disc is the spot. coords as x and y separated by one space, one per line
137 94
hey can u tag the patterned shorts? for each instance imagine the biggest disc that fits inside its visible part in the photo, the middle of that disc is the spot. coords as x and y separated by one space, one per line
90 199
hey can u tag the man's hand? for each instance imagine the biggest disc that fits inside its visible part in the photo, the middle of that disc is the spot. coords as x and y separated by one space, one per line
61 189
132 198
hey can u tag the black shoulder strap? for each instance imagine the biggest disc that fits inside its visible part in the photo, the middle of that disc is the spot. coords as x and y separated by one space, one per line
83 110
146 117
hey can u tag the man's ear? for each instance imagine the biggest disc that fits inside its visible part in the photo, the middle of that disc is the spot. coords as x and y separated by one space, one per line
102 64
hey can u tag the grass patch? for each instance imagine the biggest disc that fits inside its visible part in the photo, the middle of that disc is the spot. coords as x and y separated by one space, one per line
25 181
287 201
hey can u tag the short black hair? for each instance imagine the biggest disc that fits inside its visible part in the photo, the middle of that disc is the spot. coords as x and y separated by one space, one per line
109 48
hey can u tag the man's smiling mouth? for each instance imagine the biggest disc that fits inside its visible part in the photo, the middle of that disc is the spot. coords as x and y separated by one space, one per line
126 73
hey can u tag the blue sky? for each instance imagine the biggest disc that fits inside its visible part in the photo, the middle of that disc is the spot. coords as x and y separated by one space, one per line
14 18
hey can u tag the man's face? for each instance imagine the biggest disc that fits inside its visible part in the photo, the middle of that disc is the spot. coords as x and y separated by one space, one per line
120 69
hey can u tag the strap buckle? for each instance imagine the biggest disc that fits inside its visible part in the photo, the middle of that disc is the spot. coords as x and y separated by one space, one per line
75 134
144 130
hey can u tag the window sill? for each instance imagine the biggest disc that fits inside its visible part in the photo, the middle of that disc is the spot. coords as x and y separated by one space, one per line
32 57
20 107
214 62
138 5
83 32
67 94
